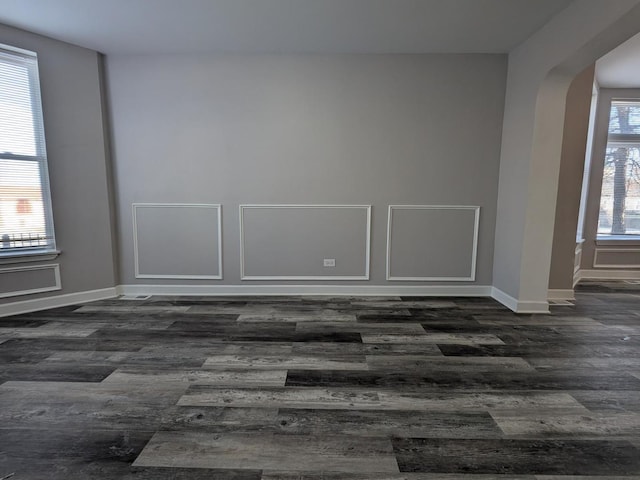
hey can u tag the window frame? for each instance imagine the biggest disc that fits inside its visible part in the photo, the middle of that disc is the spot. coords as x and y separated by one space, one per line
29 59
611 141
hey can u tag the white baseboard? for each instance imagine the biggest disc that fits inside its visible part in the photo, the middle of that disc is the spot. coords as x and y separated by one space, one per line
334 290
561 294
602 274
26 306
576 278
519 306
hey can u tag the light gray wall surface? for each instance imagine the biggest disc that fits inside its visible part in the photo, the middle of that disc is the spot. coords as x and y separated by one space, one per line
294 241
574 144
306 129
177 240
418 232
72 108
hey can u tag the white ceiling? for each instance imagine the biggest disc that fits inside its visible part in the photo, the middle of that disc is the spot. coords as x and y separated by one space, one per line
325 26
620 68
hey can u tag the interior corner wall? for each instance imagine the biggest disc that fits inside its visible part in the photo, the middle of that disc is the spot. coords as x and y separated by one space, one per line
191 132
540 70
111 192
574 142
72 109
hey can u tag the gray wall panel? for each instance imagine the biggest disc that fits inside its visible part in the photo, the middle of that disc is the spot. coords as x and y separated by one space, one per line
177 241
432 243
28 280
293 241
615 258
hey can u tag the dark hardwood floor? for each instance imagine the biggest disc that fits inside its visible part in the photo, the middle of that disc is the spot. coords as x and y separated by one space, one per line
319 388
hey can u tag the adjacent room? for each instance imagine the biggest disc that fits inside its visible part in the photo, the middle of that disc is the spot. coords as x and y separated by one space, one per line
320 239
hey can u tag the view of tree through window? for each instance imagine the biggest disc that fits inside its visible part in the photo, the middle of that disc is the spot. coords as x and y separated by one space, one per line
620 197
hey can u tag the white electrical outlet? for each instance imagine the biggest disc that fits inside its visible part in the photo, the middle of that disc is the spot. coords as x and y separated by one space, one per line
329 262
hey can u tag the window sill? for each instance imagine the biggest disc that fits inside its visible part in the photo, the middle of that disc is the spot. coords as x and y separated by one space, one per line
29 257
630 240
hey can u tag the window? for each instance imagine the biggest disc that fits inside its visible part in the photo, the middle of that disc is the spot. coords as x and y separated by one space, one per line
26 223
620 197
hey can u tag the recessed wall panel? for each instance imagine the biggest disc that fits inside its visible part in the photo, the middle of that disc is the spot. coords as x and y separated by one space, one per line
177 241
617 258
432 243
16 281
292 242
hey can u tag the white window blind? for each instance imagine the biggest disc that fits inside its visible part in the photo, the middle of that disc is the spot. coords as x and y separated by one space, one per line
26 224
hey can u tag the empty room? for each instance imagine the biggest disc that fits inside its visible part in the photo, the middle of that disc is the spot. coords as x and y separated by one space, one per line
320 239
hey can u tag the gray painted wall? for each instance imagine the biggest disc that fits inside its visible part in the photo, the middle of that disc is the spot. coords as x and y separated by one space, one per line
574 144
413 237
72 106
295 241
177 240
315 129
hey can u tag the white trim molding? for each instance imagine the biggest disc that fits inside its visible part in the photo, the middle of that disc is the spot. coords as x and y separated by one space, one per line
244 276
29 257
56 273
26 306
333 290
16 308
615 250
577 261
609 274
519 306
215 206
474 252
556 294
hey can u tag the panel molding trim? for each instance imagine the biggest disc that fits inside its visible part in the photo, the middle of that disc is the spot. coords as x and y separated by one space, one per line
56 272
615 250
244 276
474 252
136 255
609 274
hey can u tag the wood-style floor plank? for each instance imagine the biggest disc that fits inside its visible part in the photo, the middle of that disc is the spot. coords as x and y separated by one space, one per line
323 388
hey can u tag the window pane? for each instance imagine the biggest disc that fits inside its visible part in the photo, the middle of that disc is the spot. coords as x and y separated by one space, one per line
17 134
620 197
22 218
26 223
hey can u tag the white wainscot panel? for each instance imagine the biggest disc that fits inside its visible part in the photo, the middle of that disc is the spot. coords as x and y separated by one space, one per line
431 243
16 281
301 242
617 258
177 240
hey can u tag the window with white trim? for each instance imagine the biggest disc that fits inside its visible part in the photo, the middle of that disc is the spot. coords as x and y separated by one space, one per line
26 221
620 195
